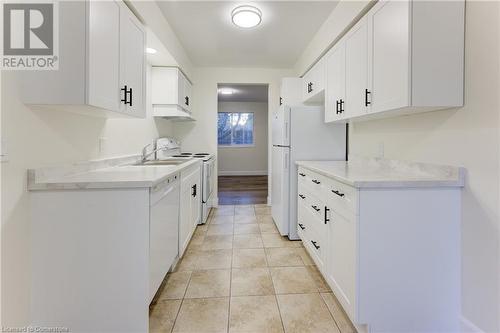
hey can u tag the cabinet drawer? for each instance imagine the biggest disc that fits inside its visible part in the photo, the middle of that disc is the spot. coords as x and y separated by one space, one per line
313 234
315 243
310 180
342 198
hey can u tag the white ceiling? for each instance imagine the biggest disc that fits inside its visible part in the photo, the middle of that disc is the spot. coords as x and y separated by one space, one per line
244 93
210 38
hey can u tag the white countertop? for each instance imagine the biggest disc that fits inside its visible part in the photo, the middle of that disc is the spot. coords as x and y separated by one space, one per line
103 175
372 173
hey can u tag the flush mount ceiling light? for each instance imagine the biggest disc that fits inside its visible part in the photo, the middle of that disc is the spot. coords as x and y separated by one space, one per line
150 50
225 91
246 16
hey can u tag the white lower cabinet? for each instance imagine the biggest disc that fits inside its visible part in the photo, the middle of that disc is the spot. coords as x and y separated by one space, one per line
190 205
390 255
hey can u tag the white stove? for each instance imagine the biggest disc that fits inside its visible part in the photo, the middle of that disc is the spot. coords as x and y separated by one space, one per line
172 151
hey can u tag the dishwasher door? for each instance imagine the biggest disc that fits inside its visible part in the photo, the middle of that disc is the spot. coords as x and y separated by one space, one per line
163 231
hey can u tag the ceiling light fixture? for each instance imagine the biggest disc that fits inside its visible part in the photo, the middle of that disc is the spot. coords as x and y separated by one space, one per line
150 50
246 16
225 91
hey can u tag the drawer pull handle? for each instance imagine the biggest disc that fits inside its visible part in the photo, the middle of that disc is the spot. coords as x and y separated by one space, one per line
316 181
302 174
315 244
302 226
326 215
302 196
316 208
338 193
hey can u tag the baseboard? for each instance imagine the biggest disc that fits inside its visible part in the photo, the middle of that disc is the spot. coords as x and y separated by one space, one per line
467 326
243 173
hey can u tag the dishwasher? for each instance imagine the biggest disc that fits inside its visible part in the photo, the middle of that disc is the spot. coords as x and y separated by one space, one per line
163 230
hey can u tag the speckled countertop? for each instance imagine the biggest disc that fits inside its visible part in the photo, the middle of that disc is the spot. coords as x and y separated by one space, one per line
371 173
103 174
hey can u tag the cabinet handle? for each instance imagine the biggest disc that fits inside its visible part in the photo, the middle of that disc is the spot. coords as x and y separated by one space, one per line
302 226
194 190
302 174
315 244
341 106
317 182
316 208
326 215
310 87
281 101
366 97
126 93
338 193
302 196
186 100
337 107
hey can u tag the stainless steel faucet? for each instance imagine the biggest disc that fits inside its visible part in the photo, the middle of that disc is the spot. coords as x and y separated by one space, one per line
145 153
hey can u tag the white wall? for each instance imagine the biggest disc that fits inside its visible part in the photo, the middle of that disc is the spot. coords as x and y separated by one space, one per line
202 134
250 160
41 138
468 136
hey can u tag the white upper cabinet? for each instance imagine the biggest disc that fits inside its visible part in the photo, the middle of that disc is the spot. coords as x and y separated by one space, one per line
171 93
390 44
101 50
313 84
104 49
335 77
290 91
402 57
132 63
356 70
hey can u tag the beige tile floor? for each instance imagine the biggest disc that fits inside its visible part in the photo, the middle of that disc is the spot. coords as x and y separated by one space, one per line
239 275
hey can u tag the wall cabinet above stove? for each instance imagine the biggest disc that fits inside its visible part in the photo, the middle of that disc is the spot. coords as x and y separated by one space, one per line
102 65
171 93
402 57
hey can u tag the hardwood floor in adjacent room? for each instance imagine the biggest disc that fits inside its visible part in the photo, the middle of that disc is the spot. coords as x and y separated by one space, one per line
242 190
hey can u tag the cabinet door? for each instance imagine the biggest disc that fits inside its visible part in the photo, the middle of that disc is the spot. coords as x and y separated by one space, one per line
341 259
187 95
132 62
356 70
104 54
389 58
306 85
181 87
185 216
196 205
335 76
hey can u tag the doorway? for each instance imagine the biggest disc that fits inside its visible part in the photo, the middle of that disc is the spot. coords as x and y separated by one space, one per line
242 136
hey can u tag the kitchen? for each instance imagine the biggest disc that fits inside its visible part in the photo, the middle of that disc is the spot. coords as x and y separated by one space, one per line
427 153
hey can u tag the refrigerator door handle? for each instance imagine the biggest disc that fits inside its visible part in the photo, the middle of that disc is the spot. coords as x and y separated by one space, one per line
286 161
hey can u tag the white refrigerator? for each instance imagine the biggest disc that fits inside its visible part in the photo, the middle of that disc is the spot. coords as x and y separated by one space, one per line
299 133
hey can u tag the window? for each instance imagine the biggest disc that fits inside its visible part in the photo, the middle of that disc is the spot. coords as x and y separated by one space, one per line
235 129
